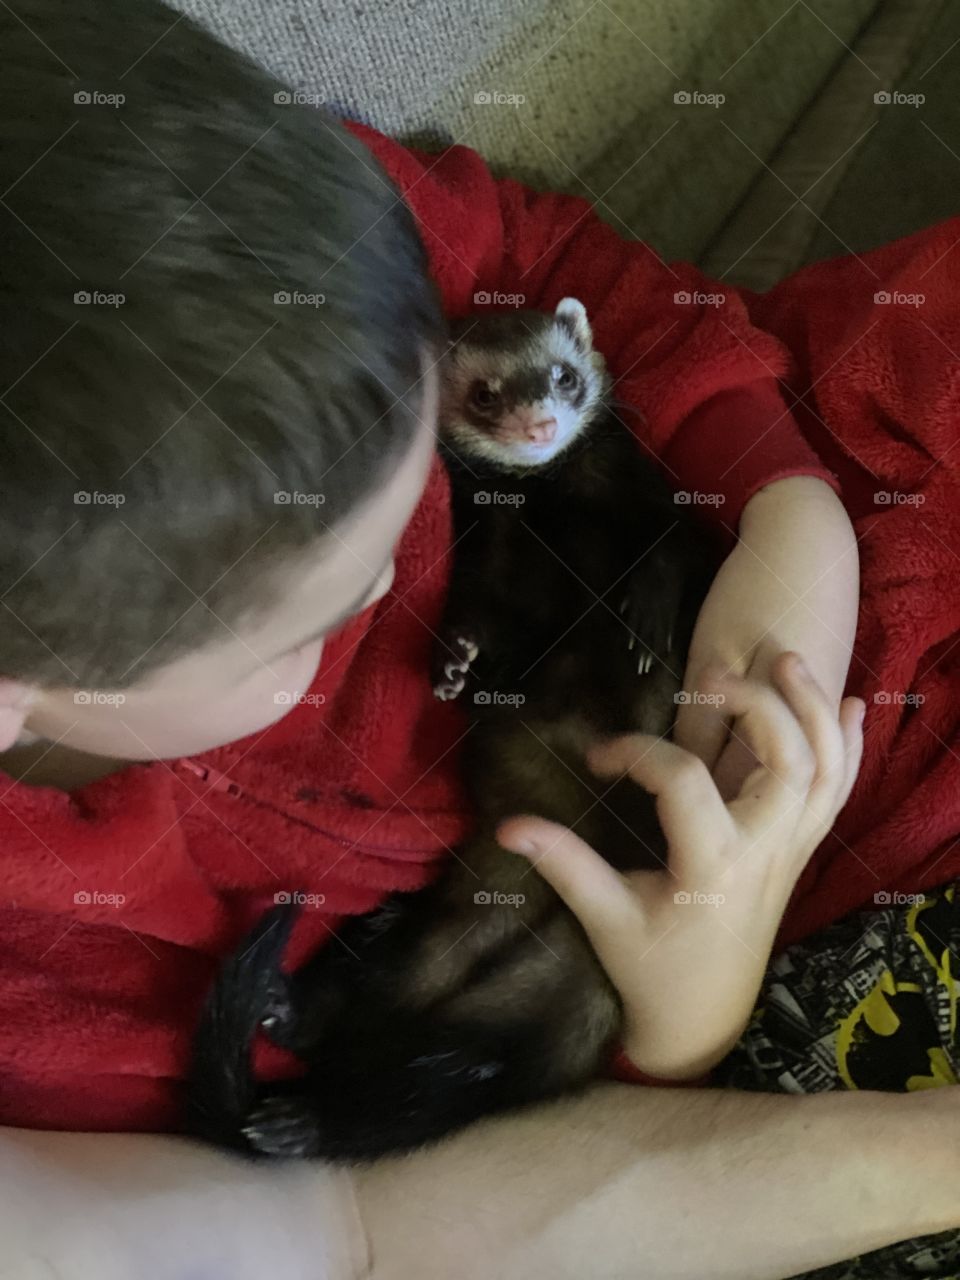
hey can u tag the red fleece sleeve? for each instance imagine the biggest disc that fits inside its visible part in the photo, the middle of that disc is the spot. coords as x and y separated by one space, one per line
696 381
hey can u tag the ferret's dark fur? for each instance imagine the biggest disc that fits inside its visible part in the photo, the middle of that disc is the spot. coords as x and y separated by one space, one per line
576 585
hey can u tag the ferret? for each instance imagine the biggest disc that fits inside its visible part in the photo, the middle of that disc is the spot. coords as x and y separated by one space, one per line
575 587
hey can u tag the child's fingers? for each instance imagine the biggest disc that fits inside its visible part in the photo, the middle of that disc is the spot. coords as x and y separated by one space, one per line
690 808
596 894
808 757
852 711
817 718
779 791
836 738
701 728
786 762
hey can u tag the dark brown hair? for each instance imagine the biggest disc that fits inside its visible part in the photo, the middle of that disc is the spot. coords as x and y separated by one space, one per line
214 308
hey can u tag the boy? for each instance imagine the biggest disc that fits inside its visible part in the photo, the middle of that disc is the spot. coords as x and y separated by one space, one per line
219 398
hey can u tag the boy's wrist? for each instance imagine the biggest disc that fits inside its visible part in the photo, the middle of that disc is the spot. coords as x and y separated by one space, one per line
925 1128
84 1204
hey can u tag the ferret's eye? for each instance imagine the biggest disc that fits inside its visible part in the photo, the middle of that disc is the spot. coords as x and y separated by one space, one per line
564 378
482 397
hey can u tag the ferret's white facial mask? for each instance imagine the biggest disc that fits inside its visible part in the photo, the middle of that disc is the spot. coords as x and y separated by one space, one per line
518 389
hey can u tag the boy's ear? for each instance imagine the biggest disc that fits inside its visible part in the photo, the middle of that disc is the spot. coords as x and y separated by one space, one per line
572 314
15 699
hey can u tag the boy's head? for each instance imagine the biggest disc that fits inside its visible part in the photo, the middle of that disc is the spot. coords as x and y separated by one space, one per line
215 411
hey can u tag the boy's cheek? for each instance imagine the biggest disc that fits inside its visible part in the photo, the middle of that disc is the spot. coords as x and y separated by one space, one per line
173 720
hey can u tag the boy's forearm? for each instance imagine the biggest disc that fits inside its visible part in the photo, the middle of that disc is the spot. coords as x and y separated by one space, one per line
622 1182
668 1184
790 583
806 560
74 1206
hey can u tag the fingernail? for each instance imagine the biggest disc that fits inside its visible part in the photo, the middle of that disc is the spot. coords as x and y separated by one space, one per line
863 712
520 846
801 668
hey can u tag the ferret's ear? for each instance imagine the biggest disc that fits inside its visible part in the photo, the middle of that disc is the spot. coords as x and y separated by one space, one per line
458 329
15 701
572 314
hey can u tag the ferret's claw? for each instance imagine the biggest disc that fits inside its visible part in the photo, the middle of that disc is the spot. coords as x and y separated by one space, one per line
453 669
281 1127
633 641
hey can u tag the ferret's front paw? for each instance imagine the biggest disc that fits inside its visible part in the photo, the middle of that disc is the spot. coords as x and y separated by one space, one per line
650 610
279 1016
451 662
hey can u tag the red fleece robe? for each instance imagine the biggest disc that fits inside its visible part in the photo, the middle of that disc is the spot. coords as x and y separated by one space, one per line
117 900
876 346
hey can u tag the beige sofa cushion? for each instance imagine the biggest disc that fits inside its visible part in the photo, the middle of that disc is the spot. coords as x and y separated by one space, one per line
598 79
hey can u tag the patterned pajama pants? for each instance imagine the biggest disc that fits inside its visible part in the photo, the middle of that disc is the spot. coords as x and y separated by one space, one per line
870 1003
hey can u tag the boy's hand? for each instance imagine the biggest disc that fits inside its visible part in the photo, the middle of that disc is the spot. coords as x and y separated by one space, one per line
686 947
791 582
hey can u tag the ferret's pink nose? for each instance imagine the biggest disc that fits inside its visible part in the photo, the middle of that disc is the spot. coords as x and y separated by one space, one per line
541 432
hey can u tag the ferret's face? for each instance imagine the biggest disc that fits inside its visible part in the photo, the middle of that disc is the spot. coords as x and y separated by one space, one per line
518 389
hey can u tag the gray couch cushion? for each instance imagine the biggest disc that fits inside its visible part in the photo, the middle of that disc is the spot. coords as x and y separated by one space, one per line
598 78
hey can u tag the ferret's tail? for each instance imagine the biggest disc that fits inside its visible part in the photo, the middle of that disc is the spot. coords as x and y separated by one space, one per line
221 1089
382 1077
397 1082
